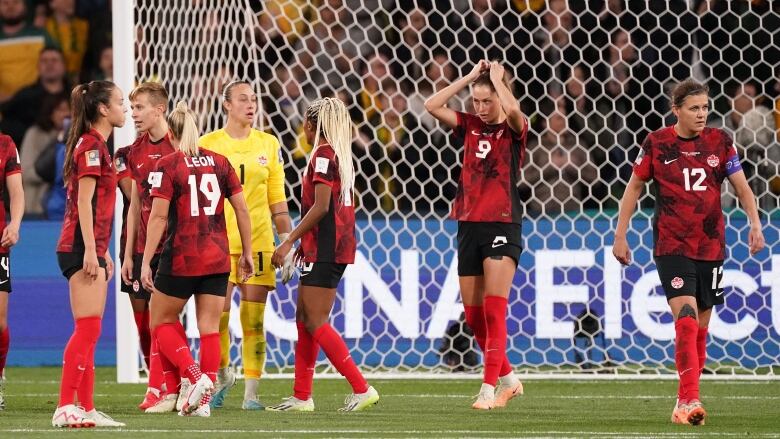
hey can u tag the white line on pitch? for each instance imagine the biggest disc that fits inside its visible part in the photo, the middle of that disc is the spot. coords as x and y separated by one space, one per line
460 395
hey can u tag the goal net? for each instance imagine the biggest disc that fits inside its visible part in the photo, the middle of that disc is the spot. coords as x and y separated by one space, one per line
593 78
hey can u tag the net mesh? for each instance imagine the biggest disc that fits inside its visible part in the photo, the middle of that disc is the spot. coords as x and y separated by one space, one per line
593 77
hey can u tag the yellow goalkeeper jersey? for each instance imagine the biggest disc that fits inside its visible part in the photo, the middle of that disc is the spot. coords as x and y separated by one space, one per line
258 162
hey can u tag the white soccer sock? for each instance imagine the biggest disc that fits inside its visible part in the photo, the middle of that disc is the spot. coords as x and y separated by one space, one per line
250 388
508 379
223 373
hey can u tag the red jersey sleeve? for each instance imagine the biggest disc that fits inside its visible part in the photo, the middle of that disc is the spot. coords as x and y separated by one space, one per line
461 127
88 158
12 165
324 167
120 163
731 165
643 165
161 179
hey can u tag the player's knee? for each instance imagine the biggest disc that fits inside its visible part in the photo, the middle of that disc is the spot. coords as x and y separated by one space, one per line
312 325
686 311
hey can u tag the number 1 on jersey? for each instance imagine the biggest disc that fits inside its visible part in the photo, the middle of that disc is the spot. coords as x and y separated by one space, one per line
241 169
210 188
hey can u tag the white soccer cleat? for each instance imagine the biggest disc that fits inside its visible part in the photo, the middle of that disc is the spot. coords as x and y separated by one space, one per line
485 398
361 401
222 388
71 416
204 411
292 404
103 420
505 392
164 405
203 387
184 390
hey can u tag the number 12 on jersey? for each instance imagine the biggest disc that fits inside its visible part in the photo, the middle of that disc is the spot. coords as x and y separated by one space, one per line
692 173
210 189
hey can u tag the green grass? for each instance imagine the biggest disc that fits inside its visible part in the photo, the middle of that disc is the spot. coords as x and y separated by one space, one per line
439 408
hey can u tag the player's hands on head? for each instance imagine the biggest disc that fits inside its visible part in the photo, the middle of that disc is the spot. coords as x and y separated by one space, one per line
146 277
91 265
755 239
10 236
479 67
109 266
127 271
620 250
496 72
247 267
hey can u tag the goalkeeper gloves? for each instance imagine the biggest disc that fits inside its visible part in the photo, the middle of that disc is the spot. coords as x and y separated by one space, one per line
288 269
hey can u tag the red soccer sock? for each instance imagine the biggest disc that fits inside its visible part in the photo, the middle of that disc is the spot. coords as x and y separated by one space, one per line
209 359
475 318
86 390
338 354
5 341
495 344
76 359
156 375
170 373
701 348
175 348
144 335
686 358
306 351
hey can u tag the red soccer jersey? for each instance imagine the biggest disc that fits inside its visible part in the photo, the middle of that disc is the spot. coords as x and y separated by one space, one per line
687 175
333 238
122 171
9 165
141 161
492 158
90 159
197 243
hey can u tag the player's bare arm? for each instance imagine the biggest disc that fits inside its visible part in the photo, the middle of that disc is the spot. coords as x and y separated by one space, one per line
627 205
322 195
133 220
514 115
748 202
16 197
246 263
437 104
155 229
87 186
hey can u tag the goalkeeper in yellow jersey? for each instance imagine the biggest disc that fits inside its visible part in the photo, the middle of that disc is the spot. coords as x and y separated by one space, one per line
257 159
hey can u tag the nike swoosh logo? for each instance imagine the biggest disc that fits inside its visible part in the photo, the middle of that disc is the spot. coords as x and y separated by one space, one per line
719 294
139 166
497 245
666 162
685 371
3 281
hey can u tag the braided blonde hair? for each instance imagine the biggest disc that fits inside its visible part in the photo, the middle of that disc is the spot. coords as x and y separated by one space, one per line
184 128
331 119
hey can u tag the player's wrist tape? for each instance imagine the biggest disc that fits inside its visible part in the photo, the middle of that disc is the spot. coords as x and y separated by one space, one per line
283 237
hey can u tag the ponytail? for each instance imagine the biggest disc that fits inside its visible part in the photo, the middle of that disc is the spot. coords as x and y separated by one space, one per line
331 119
184 128
84 102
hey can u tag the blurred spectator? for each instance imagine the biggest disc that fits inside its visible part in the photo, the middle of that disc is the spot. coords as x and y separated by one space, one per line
439 72
375 74
49 168
105 66
21 44
39 137
558 174
70 33
21 111
417 39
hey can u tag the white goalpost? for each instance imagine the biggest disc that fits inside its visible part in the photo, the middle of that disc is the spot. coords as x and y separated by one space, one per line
592 83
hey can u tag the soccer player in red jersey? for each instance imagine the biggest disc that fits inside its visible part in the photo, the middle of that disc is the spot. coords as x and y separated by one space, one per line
488 210
687 163
10 179
327 234
82 250
149 104
188 188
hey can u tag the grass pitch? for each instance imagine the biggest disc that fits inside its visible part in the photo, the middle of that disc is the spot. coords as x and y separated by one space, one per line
414 408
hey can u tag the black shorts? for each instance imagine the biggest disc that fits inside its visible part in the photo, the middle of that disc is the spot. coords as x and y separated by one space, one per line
322 274
5 273
185 287
479 241
137 290
681 276
70 263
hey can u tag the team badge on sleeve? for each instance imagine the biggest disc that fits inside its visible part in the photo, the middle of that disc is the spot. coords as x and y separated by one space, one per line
93 158
321 165
120 164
